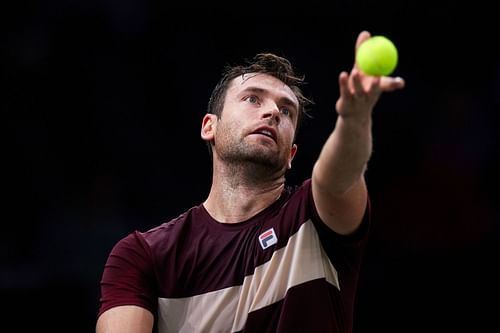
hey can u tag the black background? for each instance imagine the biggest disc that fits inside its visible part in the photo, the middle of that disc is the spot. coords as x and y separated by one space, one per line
102 104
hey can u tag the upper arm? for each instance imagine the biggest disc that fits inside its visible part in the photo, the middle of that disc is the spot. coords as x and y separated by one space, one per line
128 298
341 212
125 319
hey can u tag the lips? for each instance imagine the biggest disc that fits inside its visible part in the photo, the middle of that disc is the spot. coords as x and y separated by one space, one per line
267 131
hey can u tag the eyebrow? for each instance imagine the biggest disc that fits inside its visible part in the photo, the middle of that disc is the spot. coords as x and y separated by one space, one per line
284 100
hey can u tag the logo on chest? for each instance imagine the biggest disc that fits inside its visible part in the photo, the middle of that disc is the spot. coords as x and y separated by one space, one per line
268 238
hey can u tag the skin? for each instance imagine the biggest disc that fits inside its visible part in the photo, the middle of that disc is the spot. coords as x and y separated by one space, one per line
125 319
339 187
249 167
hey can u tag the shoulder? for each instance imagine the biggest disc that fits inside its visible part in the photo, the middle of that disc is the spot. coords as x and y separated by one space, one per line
298 192
170 231
295 206
300 200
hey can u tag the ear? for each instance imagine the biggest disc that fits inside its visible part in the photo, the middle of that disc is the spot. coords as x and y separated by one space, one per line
293 151
208 126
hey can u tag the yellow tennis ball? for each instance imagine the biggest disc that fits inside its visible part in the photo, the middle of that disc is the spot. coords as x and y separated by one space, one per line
377 56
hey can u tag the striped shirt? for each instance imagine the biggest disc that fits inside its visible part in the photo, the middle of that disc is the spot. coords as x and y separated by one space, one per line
282 270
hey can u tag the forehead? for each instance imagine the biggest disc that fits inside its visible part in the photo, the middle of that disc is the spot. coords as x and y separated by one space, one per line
263 81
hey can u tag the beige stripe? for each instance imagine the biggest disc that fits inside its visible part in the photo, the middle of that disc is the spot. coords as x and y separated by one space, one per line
301 260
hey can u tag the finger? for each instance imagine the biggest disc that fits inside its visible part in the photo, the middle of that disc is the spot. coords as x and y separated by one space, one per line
357 85
374 85
363 35
344 84
391 83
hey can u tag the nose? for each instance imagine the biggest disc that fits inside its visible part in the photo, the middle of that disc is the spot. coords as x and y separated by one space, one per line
272 112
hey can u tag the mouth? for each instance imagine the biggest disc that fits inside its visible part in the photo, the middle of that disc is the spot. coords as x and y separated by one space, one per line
266 131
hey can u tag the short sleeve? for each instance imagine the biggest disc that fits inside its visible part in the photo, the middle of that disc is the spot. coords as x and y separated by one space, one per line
128 277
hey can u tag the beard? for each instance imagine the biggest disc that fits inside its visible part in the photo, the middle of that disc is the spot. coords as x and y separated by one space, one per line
257 159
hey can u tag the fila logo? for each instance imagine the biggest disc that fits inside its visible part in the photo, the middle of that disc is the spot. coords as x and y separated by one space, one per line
268 238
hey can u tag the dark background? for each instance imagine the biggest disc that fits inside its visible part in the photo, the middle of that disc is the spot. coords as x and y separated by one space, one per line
102 104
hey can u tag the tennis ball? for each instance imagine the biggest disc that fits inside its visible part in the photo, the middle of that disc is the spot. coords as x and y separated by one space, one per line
377 56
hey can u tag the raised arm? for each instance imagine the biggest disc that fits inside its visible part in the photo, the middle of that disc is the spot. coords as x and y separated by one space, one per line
125 319
338 183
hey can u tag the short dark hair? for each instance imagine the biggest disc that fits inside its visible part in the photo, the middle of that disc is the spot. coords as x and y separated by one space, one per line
267 63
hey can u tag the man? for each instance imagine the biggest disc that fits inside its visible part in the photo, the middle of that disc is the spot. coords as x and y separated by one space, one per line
257 255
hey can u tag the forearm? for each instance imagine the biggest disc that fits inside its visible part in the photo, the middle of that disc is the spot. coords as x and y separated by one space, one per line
338 183
344 156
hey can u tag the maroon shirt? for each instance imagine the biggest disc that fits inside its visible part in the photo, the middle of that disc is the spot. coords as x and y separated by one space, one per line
282 270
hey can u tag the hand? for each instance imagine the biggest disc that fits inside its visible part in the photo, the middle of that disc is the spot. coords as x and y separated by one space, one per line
359 92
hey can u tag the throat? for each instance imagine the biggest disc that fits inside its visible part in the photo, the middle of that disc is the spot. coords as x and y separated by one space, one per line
233 205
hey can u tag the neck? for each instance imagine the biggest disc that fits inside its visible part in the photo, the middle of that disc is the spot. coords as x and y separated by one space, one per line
239 193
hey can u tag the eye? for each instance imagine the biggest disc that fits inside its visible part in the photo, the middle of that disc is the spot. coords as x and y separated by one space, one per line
285 111
252 99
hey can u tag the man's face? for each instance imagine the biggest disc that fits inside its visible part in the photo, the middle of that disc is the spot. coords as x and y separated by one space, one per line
258 122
